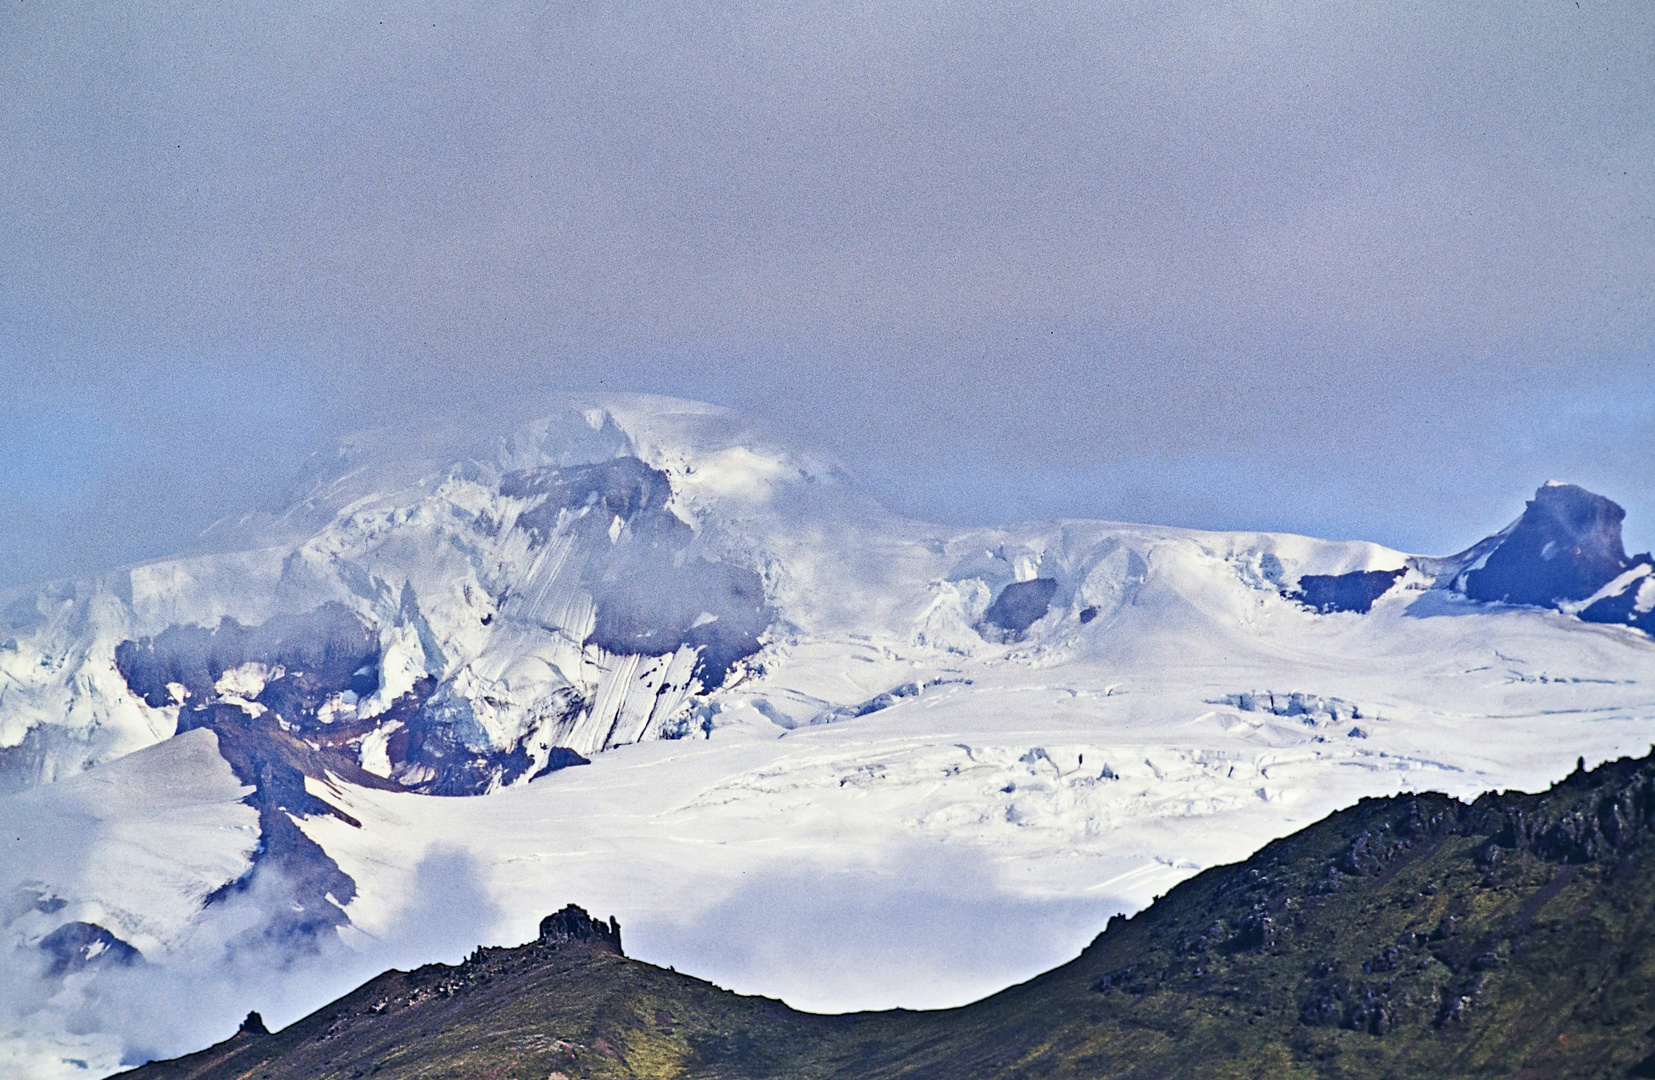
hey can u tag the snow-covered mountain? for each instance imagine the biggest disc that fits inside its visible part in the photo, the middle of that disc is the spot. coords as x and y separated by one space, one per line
685 672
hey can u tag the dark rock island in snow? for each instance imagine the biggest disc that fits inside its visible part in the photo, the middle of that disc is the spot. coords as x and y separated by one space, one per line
1564 552
1344 592
1566 546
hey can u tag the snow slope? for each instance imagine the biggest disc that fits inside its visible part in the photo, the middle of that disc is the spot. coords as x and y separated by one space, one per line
816 732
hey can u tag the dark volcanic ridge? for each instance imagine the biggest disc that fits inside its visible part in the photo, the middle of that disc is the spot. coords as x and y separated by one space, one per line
1566 546
1565 552
1411 936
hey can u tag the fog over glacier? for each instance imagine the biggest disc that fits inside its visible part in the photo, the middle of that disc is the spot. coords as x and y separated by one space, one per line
1348 272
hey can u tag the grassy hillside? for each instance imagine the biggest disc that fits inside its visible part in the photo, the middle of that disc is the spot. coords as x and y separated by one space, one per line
1414 936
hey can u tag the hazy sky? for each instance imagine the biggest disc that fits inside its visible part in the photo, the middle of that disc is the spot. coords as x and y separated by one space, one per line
1367 270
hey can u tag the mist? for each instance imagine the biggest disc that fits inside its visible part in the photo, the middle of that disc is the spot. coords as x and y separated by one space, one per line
229 963
1351 272
926 927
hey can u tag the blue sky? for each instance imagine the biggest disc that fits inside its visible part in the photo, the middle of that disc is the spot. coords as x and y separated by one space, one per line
1346 270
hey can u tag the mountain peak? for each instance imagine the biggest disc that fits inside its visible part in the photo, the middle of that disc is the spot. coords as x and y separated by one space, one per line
1566 546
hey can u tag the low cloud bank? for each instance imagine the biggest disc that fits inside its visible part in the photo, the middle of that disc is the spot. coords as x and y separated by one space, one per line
928 928
107 1016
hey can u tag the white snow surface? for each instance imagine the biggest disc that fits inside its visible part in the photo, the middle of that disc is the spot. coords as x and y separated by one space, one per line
1013 794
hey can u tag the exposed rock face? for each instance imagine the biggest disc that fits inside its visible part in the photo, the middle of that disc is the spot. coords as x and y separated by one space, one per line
561 757
651 595
572 923
1628 600
294 674
1356 592
276 764
622 487
1566 546
76 946
1020 605
300 661
882 701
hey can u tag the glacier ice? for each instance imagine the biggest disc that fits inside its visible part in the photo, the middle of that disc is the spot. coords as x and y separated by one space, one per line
762 676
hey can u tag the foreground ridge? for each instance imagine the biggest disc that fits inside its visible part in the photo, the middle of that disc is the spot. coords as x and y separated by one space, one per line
1411 936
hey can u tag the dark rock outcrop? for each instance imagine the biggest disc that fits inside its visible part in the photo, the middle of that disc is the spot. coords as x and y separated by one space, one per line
1631 601
1566 546
652 593
882 701
1020 605
321 652
276 765
76 946
622 487
1326 593
572 923
561 757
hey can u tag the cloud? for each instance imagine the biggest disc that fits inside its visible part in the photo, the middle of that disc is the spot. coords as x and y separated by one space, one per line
448 914
1323 242
927 928
198 991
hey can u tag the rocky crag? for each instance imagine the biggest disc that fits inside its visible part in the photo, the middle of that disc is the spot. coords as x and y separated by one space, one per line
1564 552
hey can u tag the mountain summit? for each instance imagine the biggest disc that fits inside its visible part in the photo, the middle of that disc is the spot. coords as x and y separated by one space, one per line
1565 547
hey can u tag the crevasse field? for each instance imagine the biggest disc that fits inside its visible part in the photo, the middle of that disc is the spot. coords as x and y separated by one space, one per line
831 758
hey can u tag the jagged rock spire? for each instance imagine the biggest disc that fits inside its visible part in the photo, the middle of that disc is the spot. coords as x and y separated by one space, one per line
574 924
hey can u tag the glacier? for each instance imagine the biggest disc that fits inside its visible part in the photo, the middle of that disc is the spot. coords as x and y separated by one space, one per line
642 656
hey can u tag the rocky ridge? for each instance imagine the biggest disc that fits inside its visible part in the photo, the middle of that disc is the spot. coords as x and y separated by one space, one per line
1564 552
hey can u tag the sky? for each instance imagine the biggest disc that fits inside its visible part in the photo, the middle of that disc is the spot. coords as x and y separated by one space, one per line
1352 270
